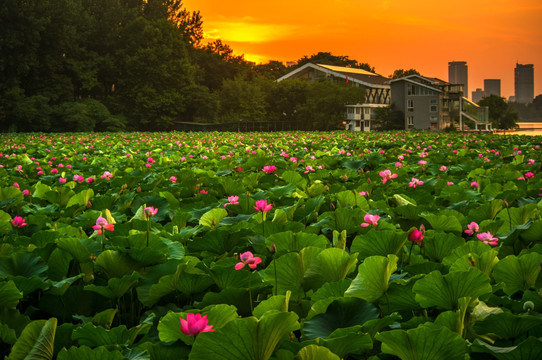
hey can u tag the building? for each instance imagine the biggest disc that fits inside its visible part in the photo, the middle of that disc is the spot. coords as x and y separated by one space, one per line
524 83
492 87
431 103
478 95
359 116
458 73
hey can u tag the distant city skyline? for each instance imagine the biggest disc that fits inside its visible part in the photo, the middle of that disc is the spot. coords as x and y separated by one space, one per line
523 83
458 73
491 36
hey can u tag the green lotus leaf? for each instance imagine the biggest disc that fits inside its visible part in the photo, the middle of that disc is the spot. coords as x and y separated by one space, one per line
518 273
341 313
86 353
372 327
9 295
330 265
444 291
311 352
438 245
5 221
346 341
377 242
277 302
288 241
483 255
36 341
246 338
81 199
529 349
75 247
426 342
7 335
23 264
115 287
116 264
93 336
515 217
351 199
161 351
291 269
213 217
443 223
506 325
217 315
373 277
292 177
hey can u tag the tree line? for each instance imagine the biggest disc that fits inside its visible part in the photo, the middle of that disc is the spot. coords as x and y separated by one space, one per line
115 65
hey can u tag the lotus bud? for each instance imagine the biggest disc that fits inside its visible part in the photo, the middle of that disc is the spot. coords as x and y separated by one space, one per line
528 306
272 248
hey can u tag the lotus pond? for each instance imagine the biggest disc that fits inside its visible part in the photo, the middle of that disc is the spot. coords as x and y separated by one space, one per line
409 245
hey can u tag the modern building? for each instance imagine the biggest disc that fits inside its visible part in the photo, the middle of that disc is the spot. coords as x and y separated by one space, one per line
478 95
431 103
458 73
492 87
359 116
524 83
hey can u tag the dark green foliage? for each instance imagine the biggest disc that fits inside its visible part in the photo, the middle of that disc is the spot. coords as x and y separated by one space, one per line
501 114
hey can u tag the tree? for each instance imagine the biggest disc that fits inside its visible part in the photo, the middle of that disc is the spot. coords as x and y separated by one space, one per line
327 58
272 70
242 100
501 114
399 73
389 118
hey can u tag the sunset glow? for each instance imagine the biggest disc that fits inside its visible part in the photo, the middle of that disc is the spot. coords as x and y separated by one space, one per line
491 35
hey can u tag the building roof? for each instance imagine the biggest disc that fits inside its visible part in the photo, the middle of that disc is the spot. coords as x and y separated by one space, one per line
360 76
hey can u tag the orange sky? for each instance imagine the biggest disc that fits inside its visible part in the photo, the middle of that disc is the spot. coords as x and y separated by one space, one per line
491 35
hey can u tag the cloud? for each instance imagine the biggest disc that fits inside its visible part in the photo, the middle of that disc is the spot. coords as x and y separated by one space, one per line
249 32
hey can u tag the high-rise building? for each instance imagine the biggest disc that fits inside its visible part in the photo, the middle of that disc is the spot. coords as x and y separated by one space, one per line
478 95
492 87
458 73
524 83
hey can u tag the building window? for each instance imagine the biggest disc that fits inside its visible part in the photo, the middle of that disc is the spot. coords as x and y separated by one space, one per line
350 110
433 107
358 110
367 123
358 123
410 89
366 111
410 121
410 105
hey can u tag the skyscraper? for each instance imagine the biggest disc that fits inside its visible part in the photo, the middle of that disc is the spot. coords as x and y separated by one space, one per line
492 87
458 73
524 83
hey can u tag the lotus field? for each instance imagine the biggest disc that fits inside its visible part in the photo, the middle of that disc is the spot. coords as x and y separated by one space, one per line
403 245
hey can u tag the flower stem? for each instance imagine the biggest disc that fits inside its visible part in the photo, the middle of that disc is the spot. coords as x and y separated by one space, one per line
148 230
103 238
410 252
250 294
276 281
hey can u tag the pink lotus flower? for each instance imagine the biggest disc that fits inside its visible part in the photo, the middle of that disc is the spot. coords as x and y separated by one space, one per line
18 222
26 192
62 180
531 162
247 258
472 228
474 185
417 236
150 211
173 179
16 185
106 175
443 168
232 200
363 193
370 220
422 162
262 206
78 178
487 238
195 324
398 164
203 191
101 223
450 183
90 180
54 171
387 175
529 175
415 182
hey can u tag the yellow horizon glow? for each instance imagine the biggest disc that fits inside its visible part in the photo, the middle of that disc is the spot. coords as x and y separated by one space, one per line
491 35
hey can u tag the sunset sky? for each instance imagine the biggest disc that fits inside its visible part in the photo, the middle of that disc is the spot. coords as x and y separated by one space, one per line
491 35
